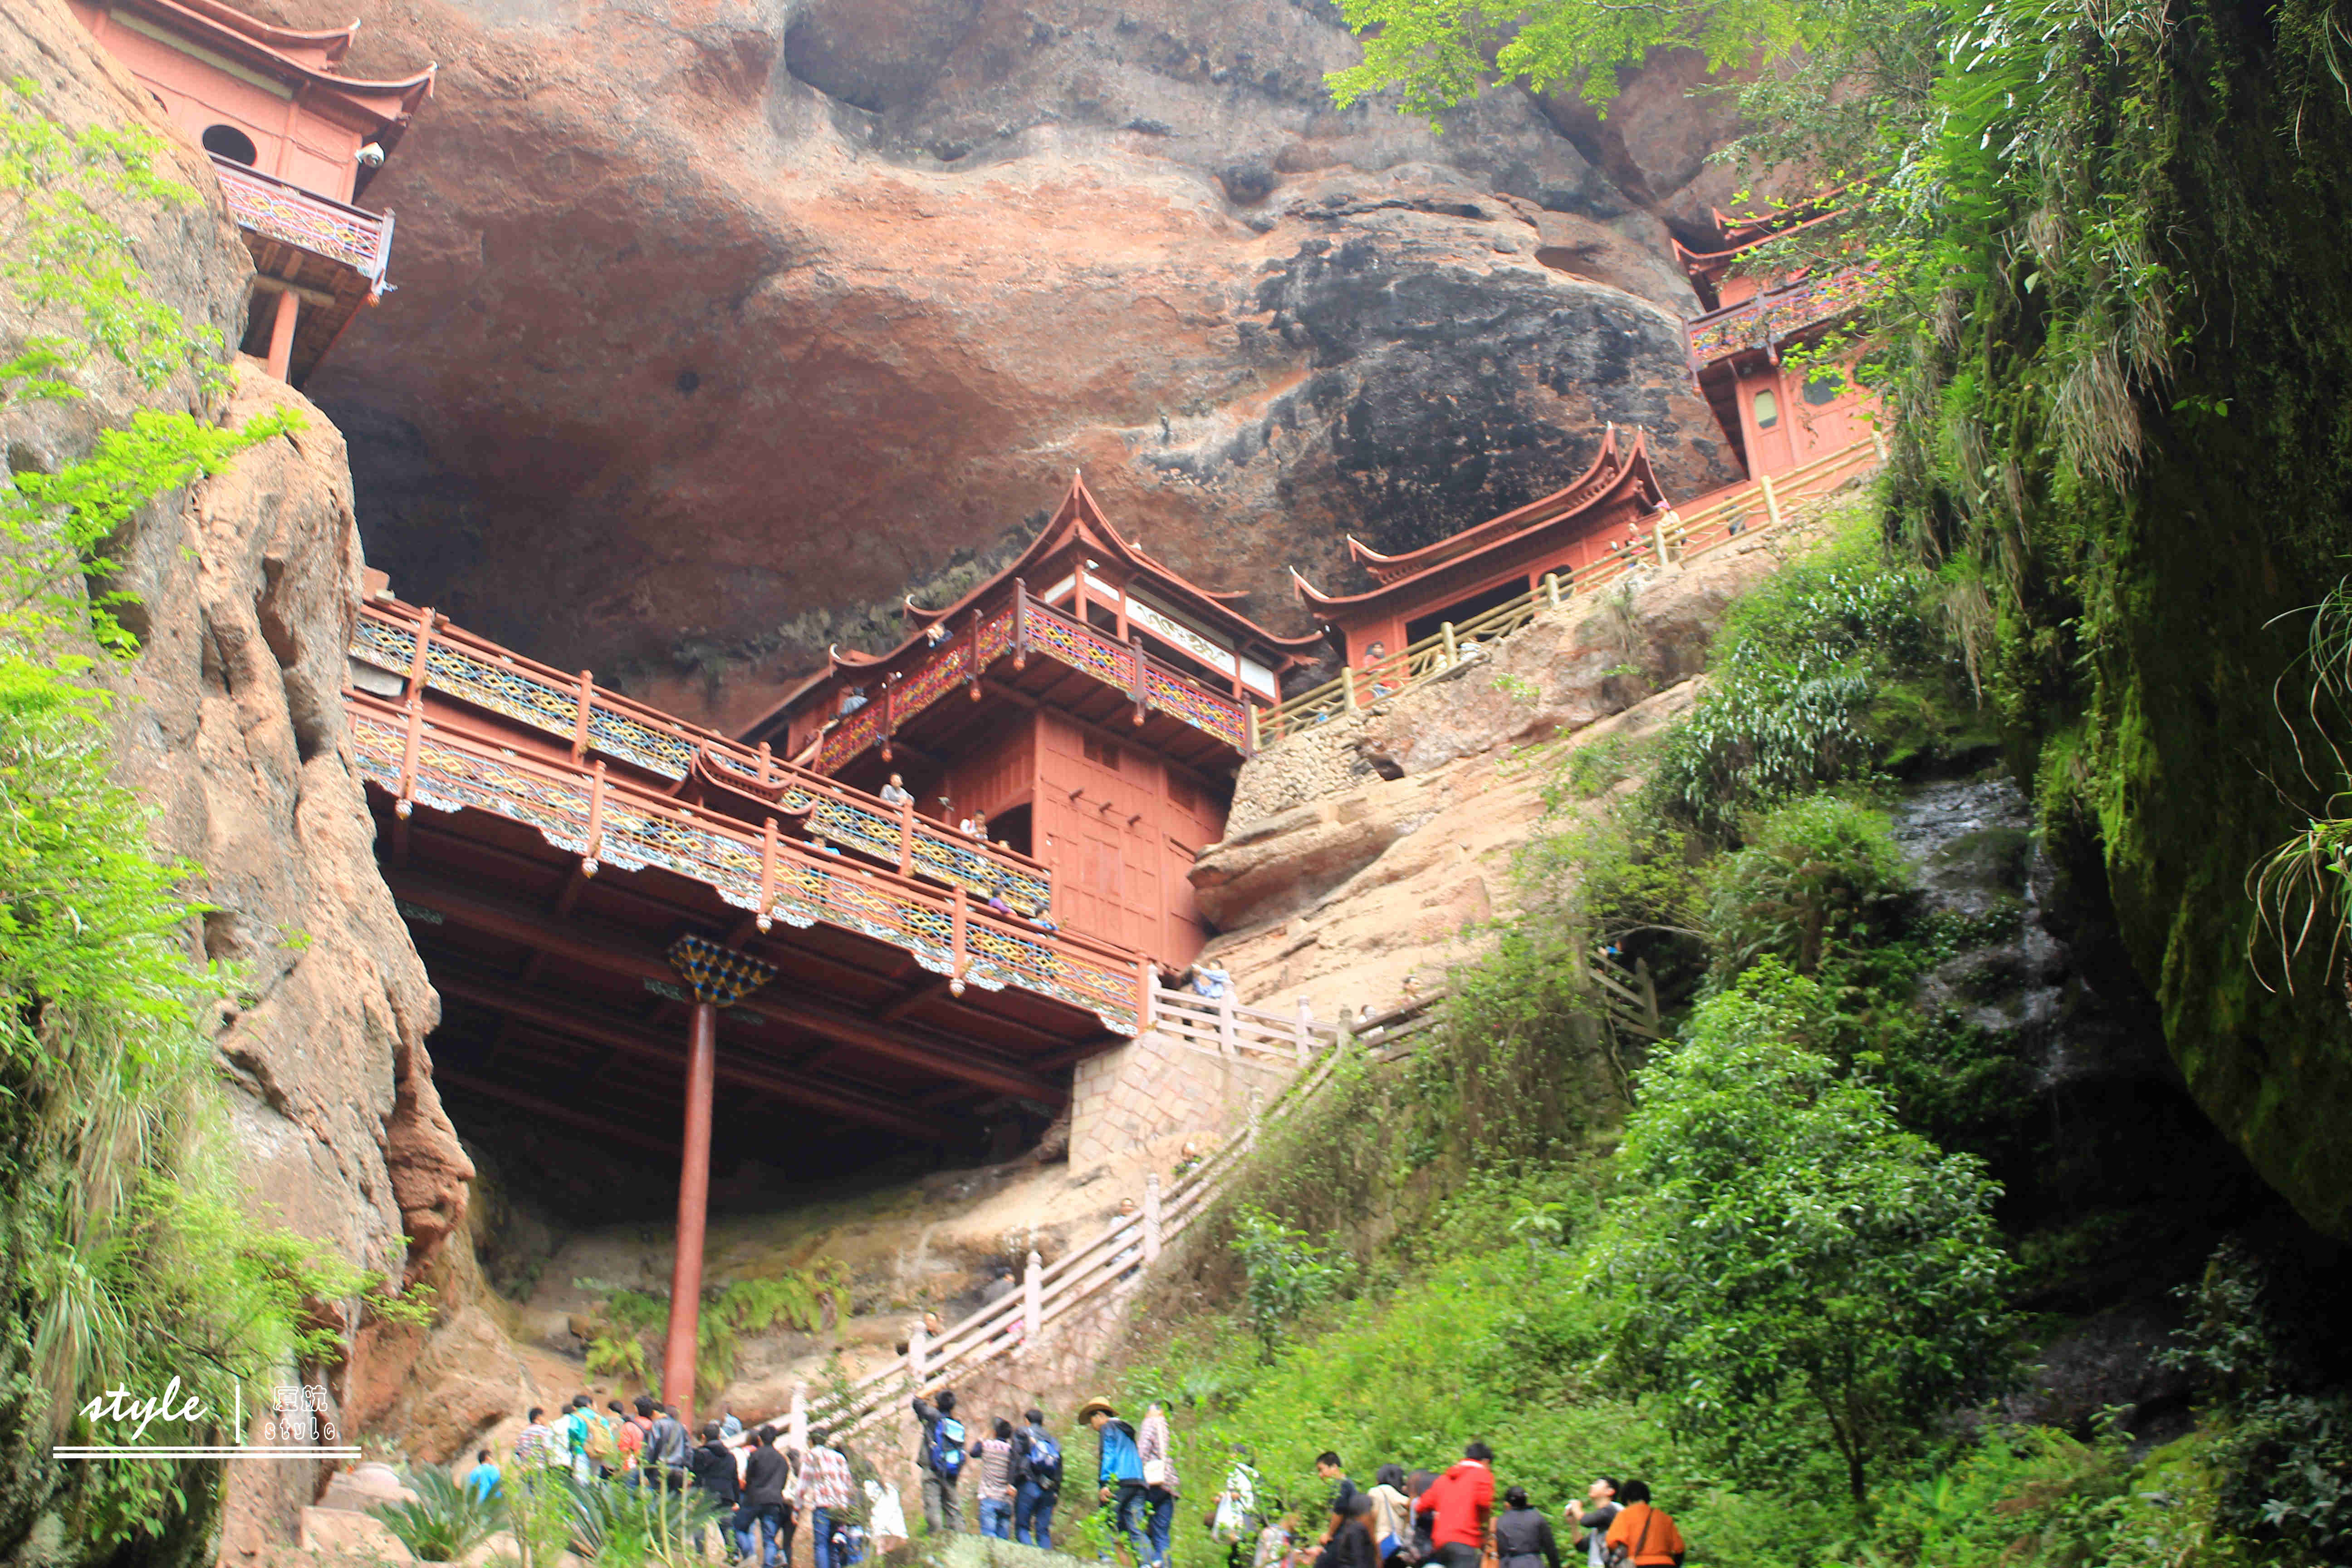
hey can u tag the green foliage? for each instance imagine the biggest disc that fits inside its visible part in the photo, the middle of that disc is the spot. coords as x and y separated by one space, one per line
2282 1458
1816 873
1780 1229
1793 669
446 1521
623 1525
1286 1272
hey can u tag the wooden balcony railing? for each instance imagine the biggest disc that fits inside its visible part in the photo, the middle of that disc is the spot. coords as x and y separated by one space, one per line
306 220
1777 314
1026 628
1745 509
609 819
599 722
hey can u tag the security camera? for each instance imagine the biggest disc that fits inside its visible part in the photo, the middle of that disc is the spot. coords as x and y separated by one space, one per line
371 155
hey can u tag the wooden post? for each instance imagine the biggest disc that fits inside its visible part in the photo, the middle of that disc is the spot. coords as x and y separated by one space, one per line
1226 1047
1348 685
906 838
580 724
281 334
796 1423
971 660
1305 1030
416 739
595 821
962 925
1771 500
1144 975
1551 589
767 762
1019 624
1135 652
766 918
1250 709
1151 1216
1033 1298
917 1355
417 671
693 1212
1878 442
1659 532
1446 630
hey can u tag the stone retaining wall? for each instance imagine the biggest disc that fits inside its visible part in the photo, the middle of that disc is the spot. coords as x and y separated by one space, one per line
1156 1087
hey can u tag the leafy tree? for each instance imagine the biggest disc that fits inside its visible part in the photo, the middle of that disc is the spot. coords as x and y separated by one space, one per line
1779 1230
1286 1272
1818 872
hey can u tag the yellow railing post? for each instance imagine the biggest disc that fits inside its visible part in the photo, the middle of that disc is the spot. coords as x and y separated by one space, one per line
1446 630
1771 500
1348 686
1552 588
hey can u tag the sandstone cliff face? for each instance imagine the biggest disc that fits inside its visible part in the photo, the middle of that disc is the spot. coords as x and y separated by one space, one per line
232 730
721 324
1373 849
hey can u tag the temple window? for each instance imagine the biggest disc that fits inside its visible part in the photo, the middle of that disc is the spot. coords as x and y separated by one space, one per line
228 142
1768 409
1822 387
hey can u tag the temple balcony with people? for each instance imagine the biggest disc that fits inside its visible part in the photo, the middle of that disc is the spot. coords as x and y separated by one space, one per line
1086 706
295 144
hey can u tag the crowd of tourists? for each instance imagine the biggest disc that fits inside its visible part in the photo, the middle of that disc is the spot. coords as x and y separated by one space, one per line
1403 1520
1444 1520
764 1488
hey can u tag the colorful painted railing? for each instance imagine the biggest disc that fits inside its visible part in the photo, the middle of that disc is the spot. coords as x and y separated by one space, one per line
1674 536
600 723
306 220
1777 314
1024 627
608 820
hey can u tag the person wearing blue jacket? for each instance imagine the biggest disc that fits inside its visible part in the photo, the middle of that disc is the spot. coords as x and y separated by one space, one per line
1120 1473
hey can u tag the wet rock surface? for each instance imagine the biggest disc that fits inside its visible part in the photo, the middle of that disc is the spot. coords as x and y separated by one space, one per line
722 325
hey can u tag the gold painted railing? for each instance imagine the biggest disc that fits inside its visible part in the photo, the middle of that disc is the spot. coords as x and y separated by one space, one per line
1674 536
1026 628
608 819
599 722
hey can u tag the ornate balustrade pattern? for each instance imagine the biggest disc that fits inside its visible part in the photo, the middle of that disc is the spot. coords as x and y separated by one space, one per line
301 218
604 723
1777 314
1743 510
609 820
1024 627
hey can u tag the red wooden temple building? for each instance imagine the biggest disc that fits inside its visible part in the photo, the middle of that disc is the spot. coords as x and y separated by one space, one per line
1088 701
1503 557
1777 416
294 142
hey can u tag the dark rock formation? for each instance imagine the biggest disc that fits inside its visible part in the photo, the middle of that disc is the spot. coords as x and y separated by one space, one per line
721 327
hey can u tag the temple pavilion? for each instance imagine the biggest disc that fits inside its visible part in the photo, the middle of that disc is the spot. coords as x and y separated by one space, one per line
1088 704
294 143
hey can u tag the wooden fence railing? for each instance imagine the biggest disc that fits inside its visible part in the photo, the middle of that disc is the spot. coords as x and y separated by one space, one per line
1674 536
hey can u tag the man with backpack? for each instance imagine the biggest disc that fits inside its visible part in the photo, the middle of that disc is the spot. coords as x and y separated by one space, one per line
941 1461
588 1440
1037 1470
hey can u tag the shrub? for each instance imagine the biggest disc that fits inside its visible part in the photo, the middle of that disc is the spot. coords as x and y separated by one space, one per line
1816 873
448 1519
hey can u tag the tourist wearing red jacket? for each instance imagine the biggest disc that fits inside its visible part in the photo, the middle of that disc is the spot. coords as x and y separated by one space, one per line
1459 1503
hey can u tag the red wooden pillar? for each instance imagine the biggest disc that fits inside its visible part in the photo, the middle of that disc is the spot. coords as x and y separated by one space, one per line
716 977
693 1212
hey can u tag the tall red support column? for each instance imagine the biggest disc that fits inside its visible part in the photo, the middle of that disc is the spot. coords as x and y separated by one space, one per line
717 978
693 1212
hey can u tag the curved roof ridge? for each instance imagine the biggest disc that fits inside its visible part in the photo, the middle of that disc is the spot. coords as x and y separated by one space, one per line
1605 465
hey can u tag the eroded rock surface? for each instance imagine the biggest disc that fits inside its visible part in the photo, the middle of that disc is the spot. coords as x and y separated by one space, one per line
722 324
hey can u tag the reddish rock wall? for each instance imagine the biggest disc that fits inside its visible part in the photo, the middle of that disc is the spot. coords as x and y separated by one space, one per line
722 324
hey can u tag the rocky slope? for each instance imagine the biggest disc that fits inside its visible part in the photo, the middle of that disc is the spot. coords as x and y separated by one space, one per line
1372 850
722 324
231 729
